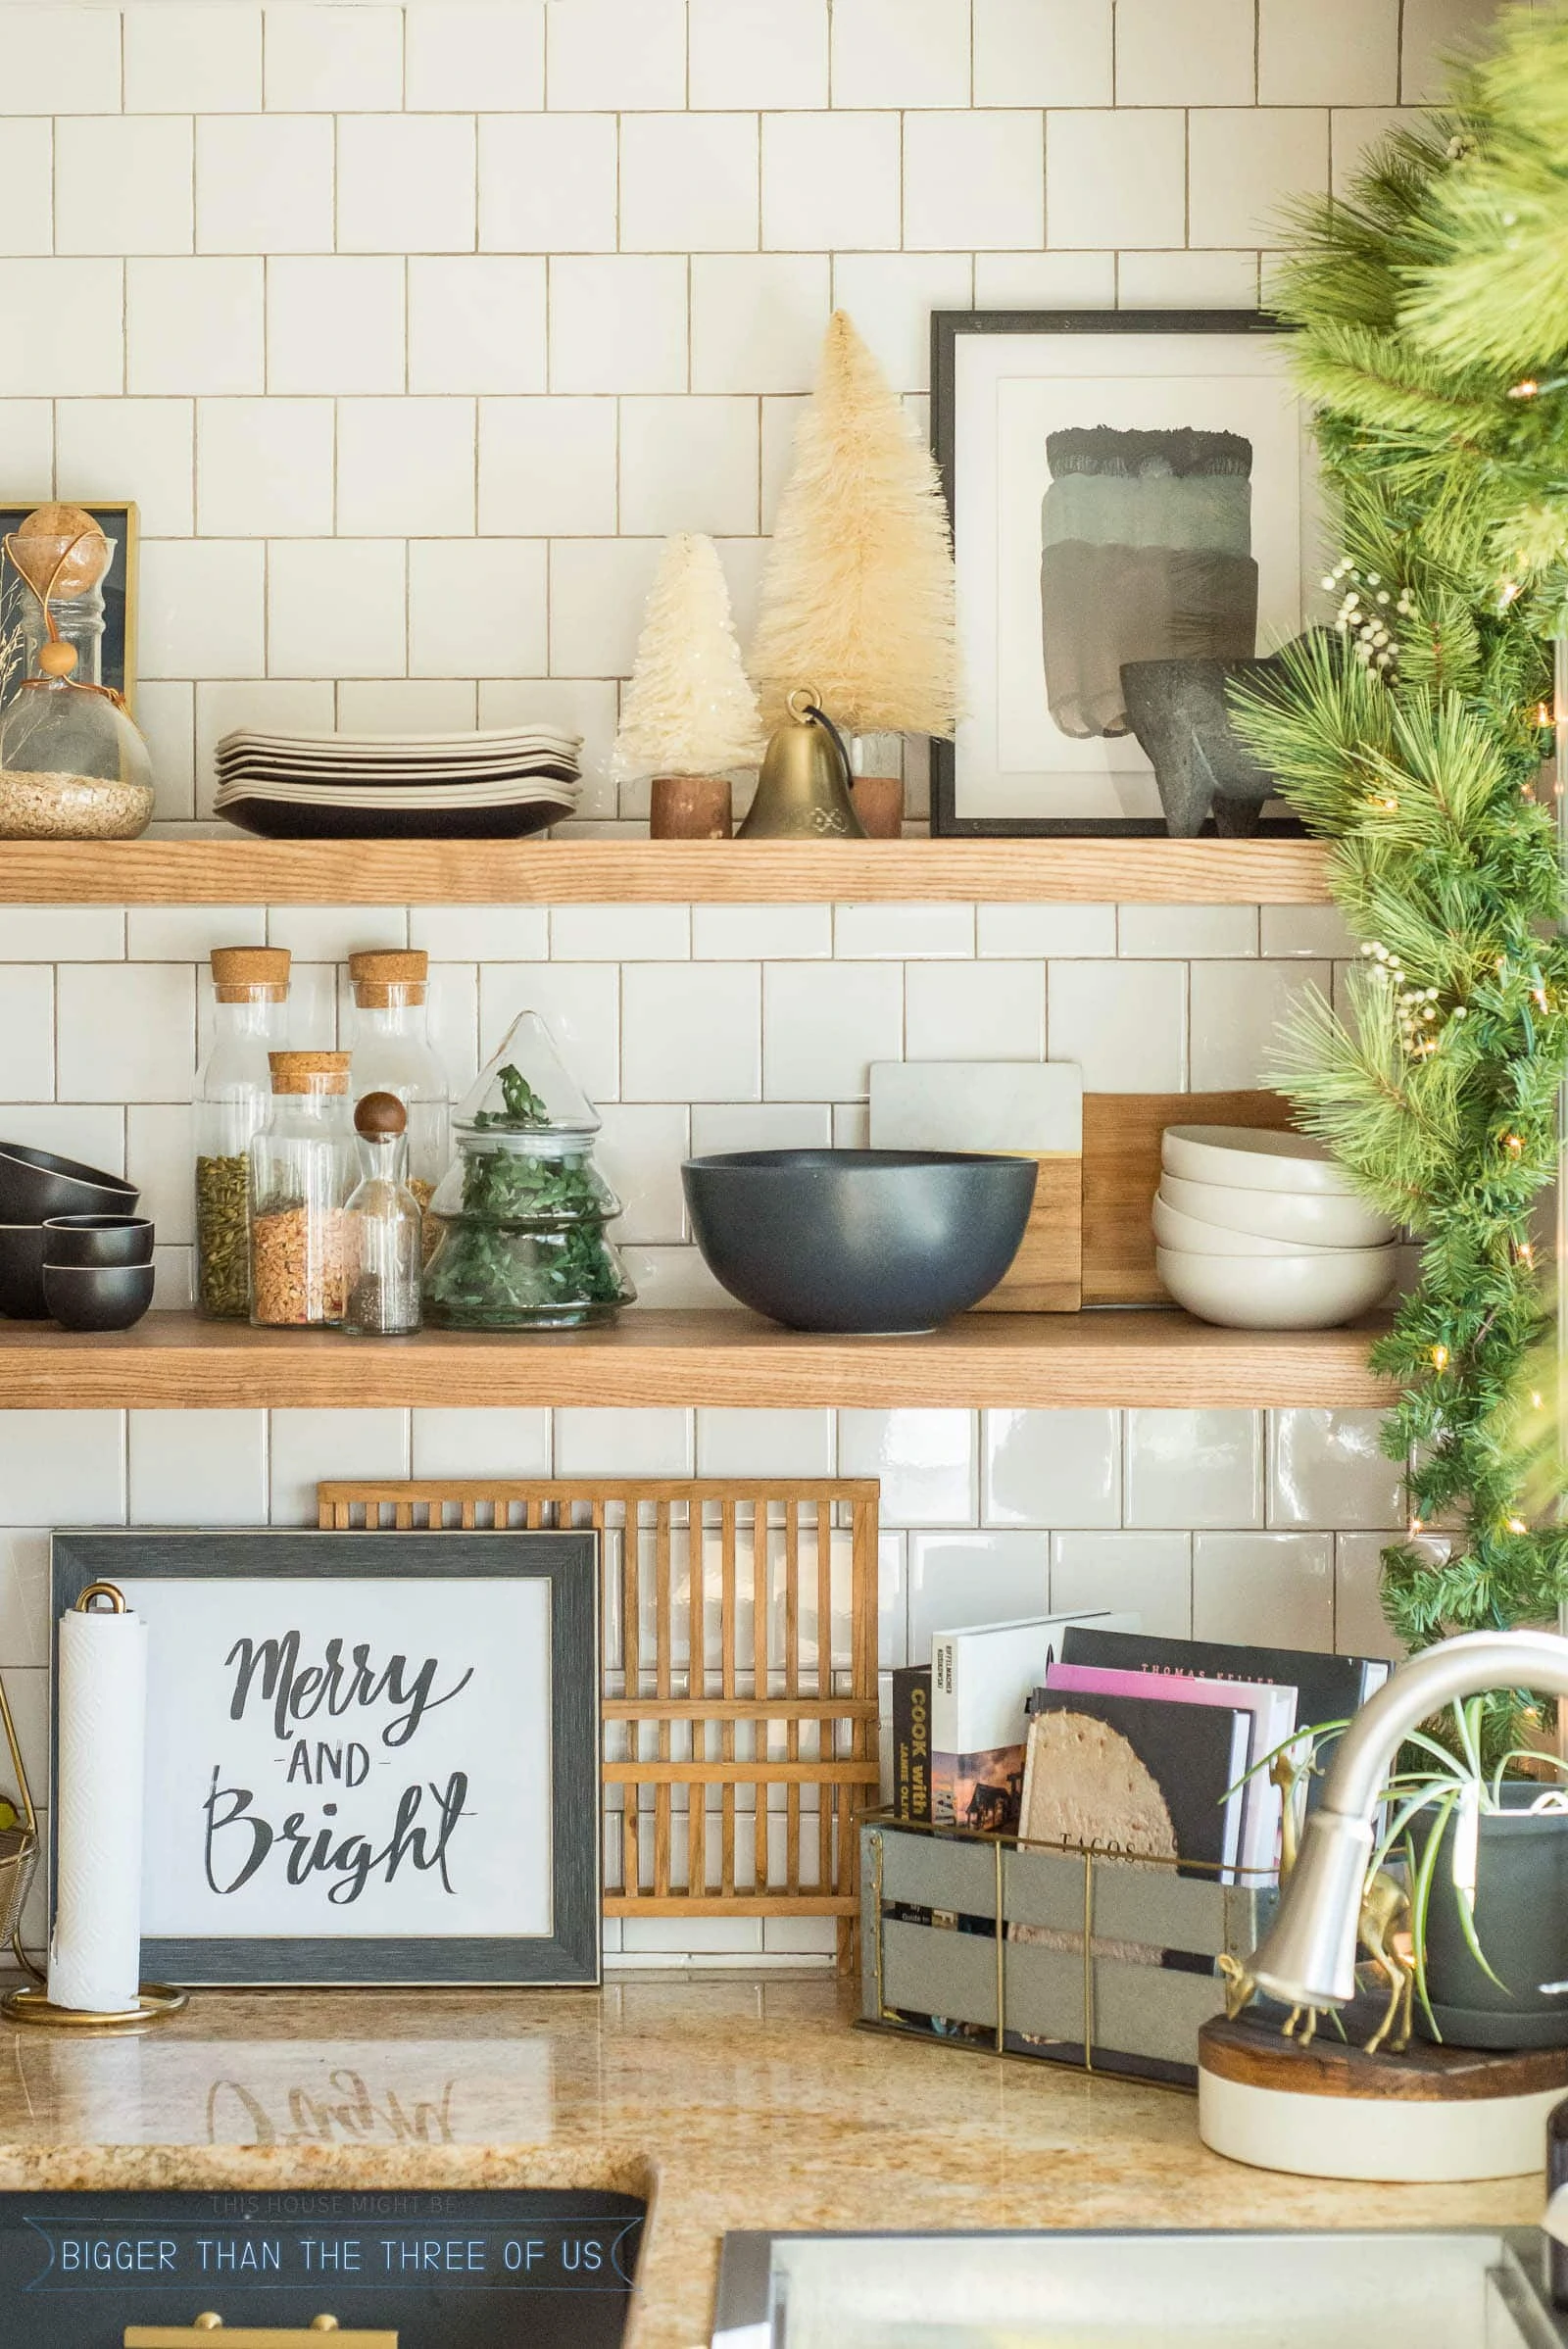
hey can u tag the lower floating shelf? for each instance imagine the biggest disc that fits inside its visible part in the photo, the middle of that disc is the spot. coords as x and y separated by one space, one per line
1066 1361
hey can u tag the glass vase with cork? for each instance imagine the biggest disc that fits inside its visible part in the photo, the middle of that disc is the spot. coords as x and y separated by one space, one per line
232 1099
385 1225
393 1053
303 1169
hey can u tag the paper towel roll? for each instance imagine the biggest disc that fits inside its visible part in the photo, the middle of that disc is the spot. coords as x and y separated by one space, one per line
101 1695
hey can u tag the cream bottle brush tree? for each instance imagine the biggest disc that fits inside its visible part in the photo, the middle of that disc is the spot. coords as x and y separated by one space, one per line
859 596
689 709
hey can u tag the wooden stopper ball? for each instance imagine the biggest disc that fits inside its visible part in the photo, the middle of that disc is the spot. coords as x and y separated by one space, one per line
379 1114
58 659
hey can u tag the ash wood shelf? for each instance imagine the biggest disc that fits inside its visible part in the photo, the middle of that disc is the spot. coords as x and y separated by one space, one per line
172 1361
232 869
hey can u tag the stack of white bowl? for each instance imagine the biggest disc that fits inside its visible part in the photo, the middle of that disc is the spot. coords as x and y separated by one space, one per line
1262 1231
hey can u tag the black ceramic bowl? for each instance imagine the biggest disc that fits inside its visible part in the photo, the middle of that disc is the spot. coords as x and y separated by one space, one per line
97 1240
22 1272
98 1297
35 1185
865 1241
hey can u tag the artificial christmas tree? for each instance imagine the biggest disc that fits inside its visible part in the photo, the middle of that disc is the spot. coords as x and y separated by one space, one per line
690 713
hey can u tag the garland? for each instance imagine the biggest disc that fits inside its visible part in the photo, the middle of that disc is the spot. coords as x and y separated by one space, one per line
1412 736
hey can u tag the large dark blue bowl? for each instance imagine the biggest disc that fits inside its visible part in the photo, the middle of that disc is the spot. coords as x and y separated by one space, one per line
869 1242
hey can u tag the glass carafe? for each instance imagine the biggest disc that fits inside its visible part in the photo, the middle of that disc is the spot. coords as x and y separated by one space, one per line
393 1053
303 1169
231 1103
385 1226
72 764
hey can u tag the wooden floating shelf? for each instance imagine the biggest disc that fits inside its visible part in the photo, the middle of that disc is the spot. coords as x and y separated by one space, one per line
172 1361
232 869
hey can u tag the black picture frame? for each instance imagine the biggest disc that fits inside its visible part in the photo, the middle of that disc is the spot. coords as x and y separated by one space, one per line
568 1563
119 522
948 326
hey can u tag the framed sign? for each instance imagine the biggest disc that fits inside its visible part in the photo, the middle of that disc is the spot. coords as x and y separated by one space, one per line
371 1758
119 524
1124 486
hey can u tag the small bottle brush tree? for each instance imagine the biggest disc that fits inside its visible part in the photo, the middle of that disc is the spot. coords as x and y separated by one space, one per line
689 709
858 596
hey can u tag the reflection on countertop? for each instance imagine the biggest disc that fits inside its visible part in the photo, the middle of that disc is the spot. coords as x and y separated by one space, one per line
739 2103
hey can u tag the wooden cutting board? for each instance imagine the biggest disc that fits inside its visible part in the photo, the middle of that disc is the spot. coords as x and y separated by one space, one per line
1121 1172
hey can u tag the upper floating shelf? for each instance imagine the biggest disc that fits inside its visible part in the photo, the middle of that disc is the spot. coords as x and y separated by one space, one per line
235 871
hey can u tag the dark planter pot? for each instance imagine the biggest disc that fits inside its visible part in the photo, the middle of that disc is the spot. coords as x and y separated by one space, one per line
1521 1920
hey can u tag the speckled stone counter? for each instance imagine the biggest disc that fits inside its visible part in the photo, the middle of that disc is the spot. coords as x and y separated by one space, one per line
732 2103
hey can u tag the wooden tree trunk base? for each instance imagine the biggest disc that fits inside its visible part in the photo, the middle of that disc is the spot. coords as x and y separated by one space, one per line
691 808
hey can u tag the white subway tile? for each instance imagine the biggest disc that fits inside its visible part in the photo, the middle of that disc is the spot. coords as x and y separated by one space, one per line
455 1022
165 714
896 932
674 1280
476 324
336 606
720 1127
639 1152
975 180
619 54
1186 52
900 53
1058 931
784 932
404 467
61 933
284 706
94 1134
336 324
891 297
925 1459
780 420
958 1579
26 445
405 184
407 705
620 933
1148 1575
197 1467
757 320
617 322
765 1444
104 445
330 59
1051 1468
26 1621
129 1030
691 1031
548 183
1190 1468
1186 280
1433 33
548 467
193 325
27 1034
1353 130
1361 1627
63 327
189 933
77 1457
1117 179
201 608
306 1446
830 179
674 1940
1187 932
476 604
1042 53
1319 931
1245 166
581 705
1124 1023
597 588
480 1443
160 1155
892 1613
1276 1588
263 184
1328 1468
623 1444
486 933
470 54
60 59
1236 1016
1339 53
688 183
800 1938
852 1126
823 1024
757 53
974 1010
332 933
1045 281
264 467
579 1004
27 165
689 464
187 57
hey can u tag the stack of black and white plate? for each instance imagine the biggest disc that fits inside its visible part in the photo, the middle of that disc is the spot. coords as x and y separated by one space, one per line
496 785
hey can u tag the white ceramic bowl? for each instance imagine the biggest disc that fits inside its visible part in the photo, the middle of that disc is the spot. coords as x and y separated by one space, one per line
1278 1293
1250 1158
1302 1219
1173 1229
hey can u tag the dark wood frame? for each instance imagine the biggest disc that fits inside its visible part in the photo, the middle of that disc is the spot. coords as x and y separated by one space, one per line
569 1563
946 328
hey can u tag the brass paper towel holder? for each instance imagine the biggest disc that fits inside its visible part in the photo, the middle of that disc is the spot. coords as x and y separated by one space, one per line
155 2001
252 2336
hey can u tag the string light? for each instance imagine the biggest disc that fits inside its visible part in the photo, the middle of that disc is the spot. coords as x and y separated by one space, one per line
1525 390
1416 1526
1535 1402
1516 1525
1513 1145
1439 1357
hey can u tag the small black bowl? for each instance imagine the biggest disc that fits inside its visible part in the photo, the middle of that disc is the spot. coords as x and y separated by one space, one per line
22 1272
98 1297
97 1240
35 1185
875 1242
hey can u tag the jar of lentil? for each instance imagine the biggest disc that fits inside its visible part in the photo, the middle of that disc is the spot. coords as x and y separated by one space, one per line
302 1170
233 1096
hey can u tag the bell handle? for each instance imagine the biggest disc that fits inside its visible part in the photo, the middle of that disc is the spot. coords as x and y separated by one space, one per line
819 717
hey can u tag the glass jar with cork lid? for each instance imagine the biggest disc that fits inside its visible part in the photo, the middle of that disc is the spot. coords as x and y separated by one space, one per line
303 1169
384 1226
232 1098
393 1053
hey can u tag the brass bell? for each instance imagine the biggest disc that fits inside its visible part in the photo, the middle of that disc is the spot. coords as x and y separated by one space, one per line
803 792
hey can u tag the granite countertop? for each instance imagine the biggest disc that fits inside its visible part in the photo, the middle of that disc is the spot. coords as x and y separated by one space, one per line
732 2102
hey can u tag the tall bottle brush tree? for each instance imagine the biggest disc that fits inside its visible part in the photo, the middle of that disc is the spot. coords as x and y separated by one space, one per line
689 709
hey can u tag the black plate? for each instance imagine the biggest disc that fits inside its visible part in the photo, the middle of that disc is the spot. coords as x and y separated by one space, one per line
279 819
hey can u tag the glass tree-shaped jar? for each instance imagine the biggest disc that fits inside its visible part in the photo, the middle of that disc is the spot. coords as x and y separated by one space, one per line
385 1226
521 1212
393 1053
232 1101
302 1168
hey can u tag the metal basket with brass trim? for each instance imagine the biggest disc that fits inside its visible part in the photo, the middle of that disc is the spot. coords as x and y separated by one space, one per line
19 1847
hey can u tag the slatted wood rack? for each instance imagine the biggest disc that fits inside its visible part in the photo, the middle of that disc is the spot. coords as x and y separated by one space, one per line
719 1708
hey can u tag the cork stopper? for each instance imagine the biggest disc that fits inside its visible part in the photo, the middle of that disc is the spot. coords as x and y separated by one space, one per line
60 551
379 1117
309 1072
383 975
242 972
